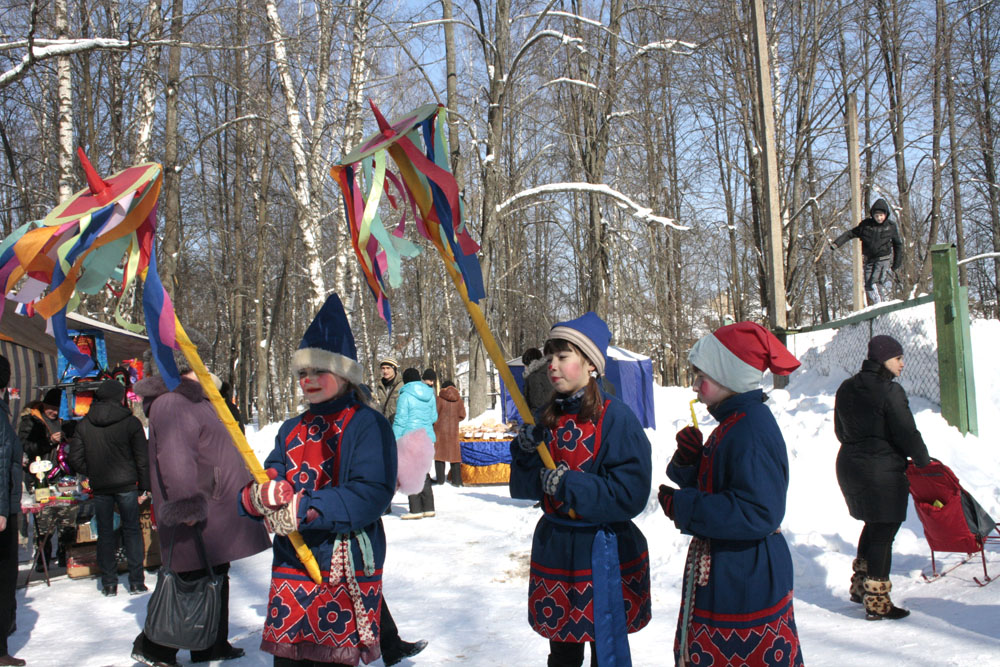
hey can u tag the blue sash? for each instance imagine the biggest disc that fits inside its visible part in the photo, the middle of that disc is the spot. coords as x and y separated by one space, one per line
610 629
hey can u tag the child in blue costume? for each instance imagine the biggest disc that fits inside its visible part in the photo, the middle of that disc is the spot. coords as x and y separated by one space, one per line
589 563
333 471
736 607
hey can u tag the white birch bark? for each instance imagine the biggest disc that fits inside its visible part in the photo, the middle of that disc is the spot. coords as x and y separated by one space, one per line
307 216
64 93
148 79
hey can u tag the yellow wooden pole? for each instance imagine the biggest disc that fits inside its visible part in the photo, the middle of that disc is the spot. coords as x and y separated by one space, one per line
492 349
302 550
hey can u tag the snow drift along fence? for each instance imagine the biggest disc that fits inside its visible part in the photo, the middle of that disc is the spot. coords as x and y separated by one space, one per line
934 332
843 345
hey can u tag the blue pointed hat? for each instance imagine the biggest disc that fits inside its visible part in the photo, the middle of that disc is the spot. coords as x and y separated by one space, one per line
589 333
328 344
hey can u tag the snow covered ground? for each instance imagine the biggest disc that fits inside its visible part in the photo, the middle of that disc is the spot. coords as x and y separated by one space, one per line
459 580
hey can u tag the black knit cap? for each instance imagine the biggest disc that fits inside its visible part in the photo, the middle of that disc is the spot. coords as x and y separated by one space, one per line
411 375
110 390
884 348
53 397
429 374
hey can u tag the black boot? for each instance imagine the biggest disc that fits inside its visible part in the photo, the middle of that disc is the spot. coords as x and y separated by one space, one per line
438 472
401 650
858 580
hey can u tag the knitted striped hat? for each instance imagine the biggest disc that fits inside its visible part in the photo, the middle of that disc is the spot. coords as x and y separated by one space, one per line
328 344
737 355
589 333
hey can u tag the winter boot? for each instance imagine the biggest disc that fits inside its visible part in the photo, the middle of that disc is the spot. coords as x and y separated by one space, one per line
401 650
860 566
878 605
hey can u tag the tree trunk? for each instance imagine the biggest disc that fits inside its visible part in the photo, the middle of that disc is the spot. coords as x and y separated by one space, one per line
64 116
306 214
148 83
171 196
890 46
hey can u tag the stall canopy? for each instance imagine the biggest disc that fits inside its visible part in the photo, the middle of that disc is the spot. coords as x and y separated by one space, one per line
631 375
32 352
30 332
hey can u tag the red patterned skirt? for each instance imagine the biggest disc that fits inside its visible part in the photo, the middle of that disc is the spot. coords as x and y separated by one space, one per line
310 621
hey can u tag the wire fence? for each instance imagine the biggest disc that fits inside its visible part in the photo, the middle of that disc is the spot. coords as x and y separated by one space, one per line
844 346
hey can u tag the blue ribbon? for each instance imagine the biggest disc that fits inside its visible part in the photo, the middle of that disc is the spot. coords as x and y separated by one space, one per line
610 628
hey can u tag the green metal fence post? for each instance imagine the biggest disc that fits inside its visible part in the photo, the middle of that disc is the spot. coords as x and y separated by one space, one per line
951 309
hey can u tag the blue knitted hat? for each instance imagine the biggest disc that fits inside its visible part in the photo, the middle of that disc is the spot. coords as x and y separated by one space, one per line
328 344
589 333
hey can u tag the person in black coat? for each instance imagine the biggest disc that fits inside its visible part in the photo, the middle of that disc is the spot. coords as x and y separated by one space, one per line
877 433
41 433
109 446
537 386
10 508
880 245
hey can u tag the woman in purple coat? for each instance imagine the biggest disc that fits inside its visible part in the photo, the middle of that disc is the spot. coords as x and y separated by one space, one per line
195 473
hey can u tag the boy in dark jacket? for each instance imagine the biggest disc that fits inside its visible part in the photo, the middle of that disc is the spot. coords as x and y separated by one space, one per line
880 246
109 446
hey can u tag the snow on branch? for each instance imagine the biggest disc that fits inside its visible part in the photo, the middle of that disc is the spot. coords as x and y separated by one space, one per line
985 255
669 46
621 200
575 17
61 47
575 82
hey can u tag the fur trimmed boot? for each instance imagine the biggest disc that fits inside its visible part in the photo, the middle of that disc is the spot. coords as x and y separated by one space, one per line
878 605
860 566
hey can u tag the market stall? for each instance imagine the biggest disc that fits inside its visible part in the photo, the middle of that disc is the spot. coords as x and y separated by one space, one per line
485 453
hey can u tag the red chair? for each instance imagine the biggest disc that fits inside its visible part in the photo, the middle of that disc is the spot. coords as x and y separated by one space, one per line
952 519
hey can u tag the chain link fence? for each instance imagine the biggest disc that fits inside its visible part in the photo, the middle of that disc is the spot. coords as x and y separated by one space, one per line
844 346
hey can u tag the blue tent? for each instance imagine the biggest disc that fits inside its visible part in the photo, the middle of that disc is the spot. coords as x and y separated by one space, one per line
630 373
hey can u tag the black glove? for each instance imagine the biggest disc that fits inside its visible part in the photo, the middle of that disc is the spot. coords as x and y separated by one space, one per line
666 499
552 478
529 436
689 446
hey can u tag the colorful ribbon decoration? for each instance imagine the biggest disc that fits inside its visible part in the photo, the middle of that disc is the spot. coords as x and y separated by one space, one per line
78 248
425 187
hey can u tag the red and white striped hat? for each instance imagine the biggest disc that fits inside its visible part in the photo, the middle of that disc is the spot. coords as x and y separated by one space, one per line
737 355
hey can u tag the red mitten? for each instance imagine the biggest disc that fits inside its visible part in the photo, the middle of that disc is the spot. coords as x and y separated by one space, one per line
666 499
248 495
689 446
276 492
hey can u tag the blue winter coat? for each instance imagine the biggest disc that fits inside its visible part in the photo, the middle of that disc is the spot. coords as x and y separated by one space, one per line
735 499
342 456
606 490
416 408
10 465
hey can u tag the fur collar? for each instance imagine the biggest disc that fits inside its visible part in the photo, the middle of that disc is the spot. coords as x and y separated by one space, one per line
535 365
154 386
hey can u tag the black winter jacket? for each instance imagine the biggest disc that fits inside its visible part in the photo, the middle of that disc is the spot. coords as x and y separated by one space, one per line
877 240
109 446
35 433
877 433
10 465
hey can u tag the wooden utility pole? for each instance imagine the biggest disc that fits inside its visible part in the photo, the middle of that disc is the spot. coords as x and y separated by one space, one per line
776 311
854 175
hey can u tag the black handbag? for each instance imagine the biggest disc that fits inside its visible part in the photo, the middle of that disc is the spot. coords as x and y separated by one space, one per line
184 613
